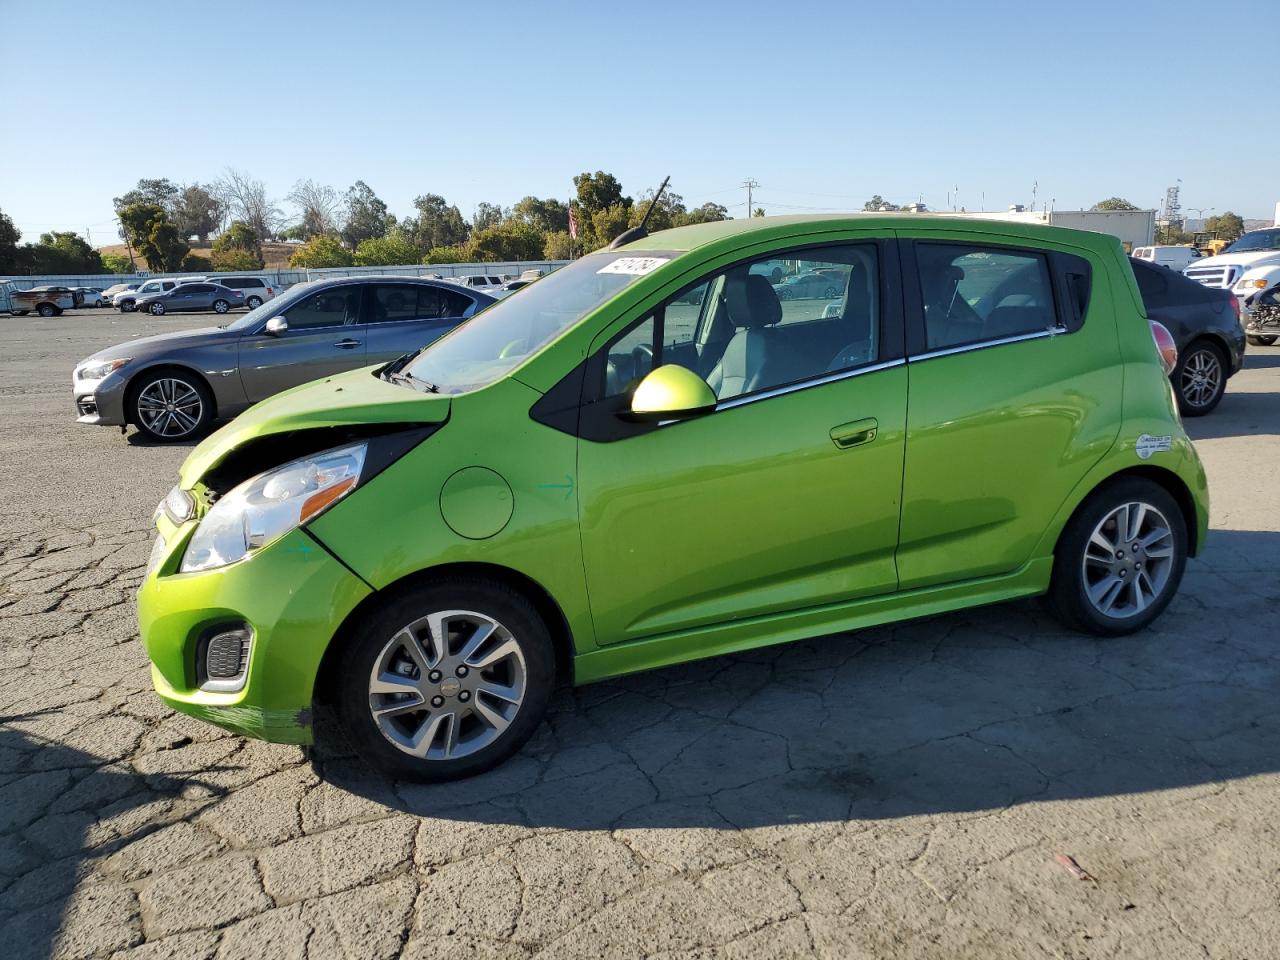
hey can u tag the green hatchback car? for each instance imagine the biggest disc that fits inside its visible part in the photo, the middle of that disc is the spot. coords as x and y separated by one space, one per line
649 457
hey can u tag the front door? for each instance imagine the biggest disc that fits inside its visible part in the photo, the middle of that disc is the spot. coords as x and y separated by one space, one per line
785 497
1015 395
404 317
324 338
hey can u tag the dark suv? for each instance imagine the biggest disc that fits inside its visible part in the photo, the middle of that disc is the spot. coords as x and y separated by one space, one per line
255 289
1205 323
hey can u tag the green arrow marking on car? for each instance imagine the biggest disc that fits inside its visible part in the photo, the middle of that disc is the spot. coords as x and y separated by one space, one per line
567 486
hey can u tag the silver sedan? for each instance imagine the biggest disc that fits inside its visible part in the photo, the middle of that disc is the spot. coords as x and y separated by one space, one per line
172 387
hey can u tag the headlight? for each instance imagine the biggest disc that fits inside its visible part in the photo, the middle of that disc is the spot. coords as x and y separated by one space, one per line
266 507
100 368
1251 284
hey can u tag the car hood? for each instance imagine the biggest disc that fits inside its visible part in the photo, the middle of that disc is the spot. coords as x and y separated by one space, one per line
355 398
1248 259
144 348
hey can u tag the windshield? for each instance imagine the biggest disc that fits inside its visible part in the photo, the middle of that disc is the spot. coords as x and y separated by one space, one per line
1256 240
511 330
271 308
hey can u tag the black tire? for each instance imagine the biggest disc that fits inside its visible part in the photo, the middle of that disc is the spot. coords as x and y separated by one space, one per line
253 303
366 644
1068 599
829 293
46 310
221 306
1261 341
143 422
156 309
127 306
1197 393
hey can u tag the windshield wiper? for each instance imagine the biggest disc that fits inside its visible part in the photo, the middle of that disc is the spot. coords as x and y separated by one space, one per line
417 383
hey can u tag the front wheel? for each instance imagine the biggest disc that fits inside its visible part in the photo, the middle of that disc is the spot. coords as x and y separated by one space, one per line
1201 379
1261 341
157 309
1120 559
446 680
169 406
45 310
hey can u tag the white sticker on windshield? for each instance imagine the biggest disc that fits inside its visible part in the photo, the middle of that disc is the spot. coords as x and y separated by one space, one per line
635 266
1146 445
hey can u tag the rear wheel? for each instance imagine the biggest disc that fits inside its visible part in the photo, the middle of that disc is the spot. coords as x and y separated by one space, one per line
221 306
169 406
445 680
1201 378
45 310
1120 559
1261 341
253 303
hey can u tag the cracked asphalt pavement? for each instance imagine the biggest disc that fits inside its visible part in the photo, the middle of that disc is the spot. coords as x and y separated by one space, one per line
899 792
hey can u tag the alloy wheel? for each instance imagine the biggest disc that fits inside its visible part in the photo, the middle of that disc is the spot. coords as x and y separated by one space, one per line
219 306
1201 377
169 407
157 309
1128 560
447 685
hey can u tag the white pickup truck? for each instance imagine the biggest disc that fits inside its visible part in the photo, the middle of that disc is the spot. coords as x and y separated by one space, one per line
1247 267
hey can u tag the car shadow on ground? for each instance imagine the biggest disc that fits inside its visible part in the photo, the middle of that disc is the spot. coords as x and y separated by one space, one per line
61 809
972 711
1237 415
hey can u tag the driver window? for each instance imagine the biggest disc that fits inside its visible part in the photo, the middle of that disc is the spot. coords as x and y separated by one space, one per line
327 308
666 336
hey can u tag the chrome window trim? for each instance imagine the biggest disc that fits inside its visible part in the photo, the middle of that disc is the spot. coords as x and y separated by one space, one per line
806 384
1057 331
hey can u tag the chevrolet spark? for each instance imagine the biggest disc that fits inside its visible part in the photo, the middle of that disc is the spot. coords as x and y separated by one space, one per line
649 456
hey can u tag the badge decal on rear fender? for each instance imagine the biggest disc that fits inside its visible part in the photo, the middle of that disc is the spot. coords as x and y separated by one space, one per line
1146 445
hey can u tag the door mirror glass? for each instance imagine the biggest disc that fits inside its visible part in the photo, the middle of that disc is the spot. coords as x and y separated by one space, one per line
671 392
276 326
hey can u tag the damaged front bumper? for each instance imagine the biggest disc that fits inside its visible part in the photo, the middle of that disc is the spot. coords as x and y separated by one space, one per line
286 598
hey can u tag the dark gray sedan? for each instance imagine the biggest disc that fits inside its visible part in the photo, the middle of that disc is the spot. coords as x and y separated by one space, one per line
173 386
191 297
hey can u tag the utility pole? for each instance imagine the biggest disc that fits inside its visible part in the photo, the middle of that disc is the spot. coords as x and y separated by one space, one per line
751 184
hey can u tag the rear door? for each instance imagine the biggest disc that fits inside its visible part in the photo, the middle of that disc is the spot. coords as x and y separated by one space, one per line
403 317
1015 393
324 337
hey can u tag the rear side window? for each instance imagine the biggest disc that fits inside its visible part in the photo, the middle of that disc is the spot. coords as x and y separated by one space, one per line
973 294
1152 283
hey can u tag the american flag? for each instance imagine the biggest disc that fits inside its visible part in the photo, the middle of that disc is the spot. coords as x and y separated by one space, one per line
573 224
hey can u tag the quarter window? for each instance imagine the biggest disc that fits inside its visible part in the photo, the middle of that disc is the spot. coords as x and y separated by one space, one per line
416 302
760 325
971 294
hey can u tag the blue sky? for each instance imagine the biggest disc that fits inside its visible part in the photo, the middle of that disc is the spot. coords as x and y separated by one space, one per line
823 103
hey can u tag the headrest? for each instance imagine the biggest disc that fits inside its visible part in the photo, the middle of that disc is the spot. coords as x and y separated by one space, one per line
752 302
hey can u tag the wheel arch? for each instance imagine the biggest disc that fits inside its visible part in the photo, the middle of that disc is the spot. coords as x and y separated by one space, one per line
542 600
1173 484
131 388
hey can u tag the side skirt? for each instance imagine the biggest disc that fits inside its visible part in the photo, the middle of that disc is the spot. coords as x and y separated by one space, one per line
664 650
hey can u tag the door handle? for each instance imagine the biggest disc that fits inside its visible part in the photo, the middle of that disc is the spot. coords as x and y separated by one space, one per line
854 434
347 344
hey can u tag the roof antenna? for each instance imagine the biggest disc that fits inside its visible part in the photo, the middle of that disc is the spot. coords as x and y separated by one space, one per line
639 233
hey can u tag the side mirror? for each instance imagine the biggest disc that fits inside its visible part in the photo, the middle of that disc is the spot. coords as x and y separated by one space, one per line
671 392
276 326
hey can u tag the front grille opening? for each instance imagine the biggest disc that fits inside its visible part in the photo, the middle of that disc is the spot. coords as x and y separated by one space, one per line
88 406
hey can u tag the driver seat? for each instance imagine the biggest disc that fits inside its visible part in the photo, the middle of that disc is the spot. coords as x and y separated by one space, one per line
753 309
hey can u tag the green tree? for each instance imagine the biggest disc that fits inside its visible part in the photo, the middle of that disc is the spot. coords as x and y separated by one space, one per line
1227 225
167 246
878 204
161 192
438 224
1113 203
366 215
237 248
195 263
230 261
457 253
556 245
707 213
325 250
10 255
197 212
758 212
65 253
599 191
509 241
545 216
487 215
116 263
395 249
